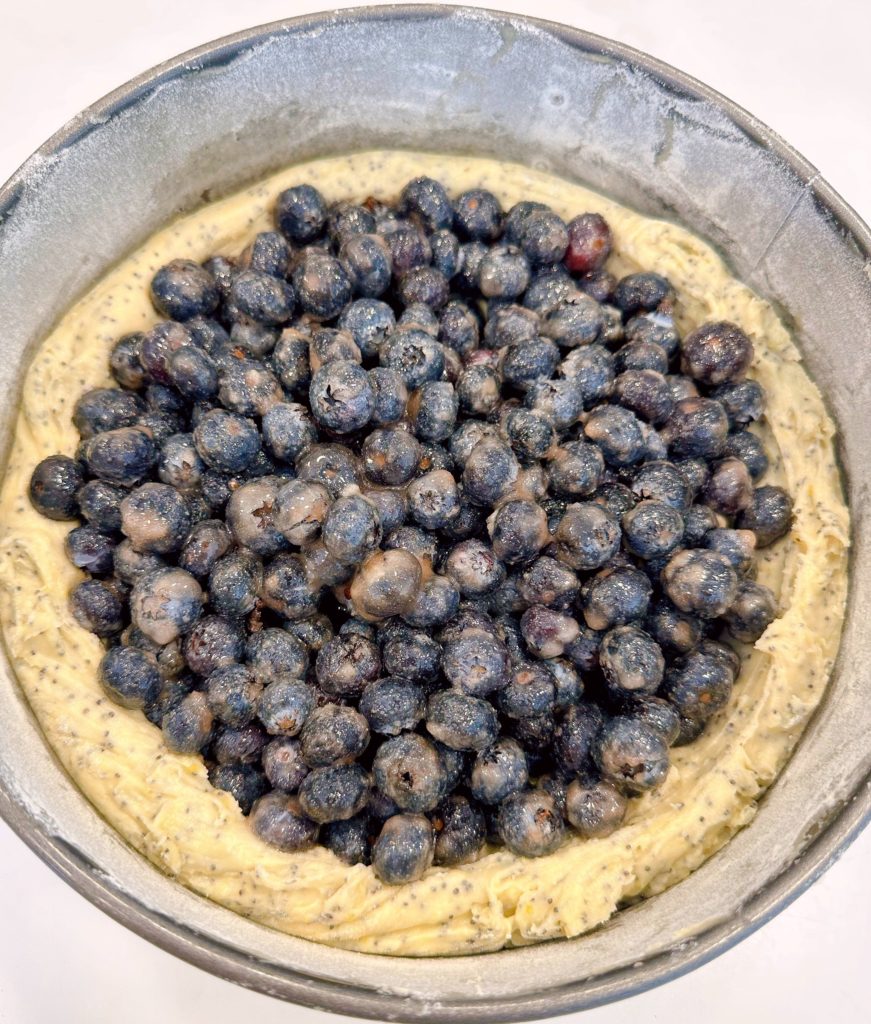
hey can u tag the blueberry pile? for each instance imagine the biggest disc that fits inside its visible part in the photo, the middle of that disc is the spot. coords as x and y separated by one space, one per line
422 529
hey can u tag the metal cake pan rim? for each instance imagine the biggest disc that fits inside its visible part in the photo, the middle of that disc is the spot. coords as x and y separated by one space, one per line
227 962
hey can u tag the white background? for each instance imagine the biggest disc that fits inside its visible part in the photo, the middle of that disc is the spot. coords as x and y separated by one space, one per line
803 69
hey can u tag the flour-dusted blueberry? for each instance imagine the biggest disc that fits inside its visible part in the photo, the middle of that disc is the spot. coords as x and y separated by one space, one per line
518 531
346 664
529 823
106 409
369 321
662 481
345 220
617 431
769 515
644 291
301 213
530 434
89 549
183 289
656 712
249 388
98 607
187 725
646 393
433 499
412 655
546 631
574 737
643 357
214 642
290 361
426 199
460 721
459 830
278 819
299 510
283 764
652 529
273 652
409 250
503 273
351 529
459 327
543 237
592 372
530 692
434 603
738 546
698 427
424 285
445 252
386 584
251 516
243 782
589 243
287 431
408 769
348 839
124 363
700 684
752 611
499 770
478 390
560 401
587 536
475 662
743 400
267 253
389 395
341 397
631 660
226 441
700 582
577 321
156 518
234 582
729 489
750 450
391 504
673 629
157 346
567 682
414 355
239 746
193 373
617 498
312 633
393 705
404 849
179 463
124 457
433 411
699 520
528 361
576 469
284 704
390 456
474 568
631 755
716 353
615 596
334 793
333 465
322 285
594 809
333 734
233 695
287 588
332 345
490 471
100 504
130 565
478 215
130 676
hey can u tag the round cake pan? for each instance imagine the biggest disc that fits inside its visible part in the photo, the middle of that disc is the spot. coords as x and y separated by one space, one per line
460 81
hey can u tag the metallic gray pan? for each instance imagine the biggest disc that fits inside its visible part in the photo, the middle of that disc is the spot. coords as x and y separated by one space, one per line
457 80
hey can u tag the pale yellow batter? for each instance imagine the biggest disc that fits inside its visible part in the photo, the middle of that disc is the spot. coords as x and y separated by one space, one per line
163 804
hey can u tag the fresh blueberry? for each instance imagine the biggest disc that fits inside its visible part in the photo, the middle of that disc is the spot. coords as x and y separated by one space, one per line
156 518
700 582
752 611
700 683
412 655
518 530
287 431
287 588
369 322
214 642
630 754
750 450
334 793
267 253
646 393
404 849
478 215
475 662
348 839
98 607
351 530
239 746
408 769
333 734
89 549
490 471
530 824
530 692
278 819
673 629
414 355
332 345
769 515
393 705
187 725
699 520
165 604
460 831
386 584
283 764
106 409
234 582
249 388
123 456
716 353
341 397
576 469
729 488
503 273
697 427
425 286
459 327
433 411
233 695
436 601
577 321
346 664
193 373
322 285
631 660
617 432
615 596
427 199
301 213
591 371
589 243
345 220
643 291
124 363
226 441
473 568
183 289
574 736
100 504
460 721
548 582
652 529
594 809
548 289
243 782
130 676
738 546
130 565
587 536
271 653
499 771
543 237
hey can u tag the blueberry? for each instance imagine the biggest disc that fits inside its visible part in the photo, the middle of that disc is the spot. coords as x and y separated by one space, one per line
426 199
769 515
233 695
100 504
414 355
589 243
594 809
214 642
347 664
299 510
183 289
193 373
560 401
499 771
249 388
332 465
526 362
738 546
445 252
729 488
750 450
530 434
475 662
673 629
530 692
391 504
287 431
409 249
334 793
123 456
587 536
392 705
716 353
386 584
165 604
615 596
98 607
130 565
503 273
697 427
278 819
662 482
179 463
124 363
652 529
548 289
631 754
312 633
156 518
543 237
700 683
341 397
345 220
460 831
89 549
473 568
389 395
576 469
435 602
577 321
460 721
490 471
369 321
287 589
546 631
239 746
331 345
549 582
106 409
226 441
322 285
583 651
283 764
617 432
412 655
252 516
234 582
130 677
530 824
351 530
699 520
349 839
300 213
433 411
752 611
599 285
333 734
574 736
616 498
433 499
458 327
567 682
478 215
518 530
290 361
646 393
700 582
631 660
404 849
267 253
592 372
408 769
243 782
424 285
187 725
156 349
643 291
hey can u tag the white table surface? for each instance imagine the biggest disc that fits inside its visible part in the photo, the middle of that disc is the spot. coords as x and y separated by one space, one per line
803 69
